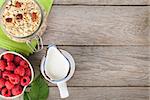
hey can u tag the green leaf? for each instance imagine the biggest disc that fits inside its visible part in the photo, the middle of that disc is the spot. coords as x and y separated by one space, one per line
26 96
39 90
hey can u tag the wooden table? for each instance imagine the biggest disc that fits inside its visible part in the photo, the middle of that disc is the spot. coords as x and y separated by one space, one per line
110 42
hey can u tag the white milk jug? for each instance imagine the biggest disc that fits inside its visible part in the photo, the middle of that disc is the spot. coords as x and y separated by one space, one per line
58 67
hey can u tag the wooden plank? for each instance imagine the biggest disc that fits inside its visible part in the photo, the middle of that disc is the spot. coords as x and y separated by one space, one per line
107 66
98 25
103 2
103 93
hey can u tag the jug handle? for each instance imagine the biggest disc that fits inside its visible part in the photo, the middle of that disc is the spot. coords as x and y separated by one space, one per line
63 90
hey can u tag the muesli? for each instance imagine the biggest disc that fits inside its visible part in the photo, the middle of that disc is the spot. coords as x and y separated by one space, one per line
21 18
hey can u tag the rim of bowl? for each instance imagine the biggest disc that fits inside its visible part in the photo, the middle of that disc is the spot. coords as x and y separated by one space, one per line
32 73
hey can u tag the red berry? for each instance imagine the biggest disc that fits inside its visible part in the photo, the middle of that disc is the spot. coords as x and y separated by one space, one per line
10 66
17 90
0 89
0 73
27 72
24 64
5 92
6 75
9 57
2 65
20 71
25 81
17 60
9 85
2 82
14 79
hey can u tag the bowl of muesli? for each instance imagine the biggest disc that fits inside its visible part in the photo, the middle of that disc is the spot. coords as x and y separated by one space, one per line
21 20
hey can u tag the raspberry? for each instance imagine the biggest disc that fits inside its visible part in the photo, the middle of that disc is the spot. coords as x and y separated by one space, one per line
24 64
27 72
20 71
0 73
14 79
9 57
9 85
6 75
10 66
2 82
25 81
2 65
5 92
17 90
17 60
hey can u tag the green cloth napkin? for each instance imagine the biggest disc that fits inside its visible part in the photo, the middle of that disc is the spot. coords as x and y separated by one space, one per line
22 48
1 2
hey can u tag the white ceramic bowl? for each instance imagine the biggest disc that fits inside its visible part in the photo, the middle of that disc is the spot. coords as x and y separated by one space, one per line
32 74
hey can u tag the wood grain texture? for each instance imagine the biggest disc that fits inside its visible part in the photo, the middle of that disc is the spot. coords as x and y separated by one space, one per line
103 2
98 25
107 66
103 93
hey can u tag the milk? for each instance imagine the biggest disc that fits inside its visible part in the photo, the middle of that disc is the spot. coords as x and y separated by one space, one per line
56 65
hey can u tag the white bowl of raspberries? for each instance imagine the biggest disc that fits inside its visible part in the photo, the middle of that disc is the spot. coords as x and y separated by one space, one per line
16 73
